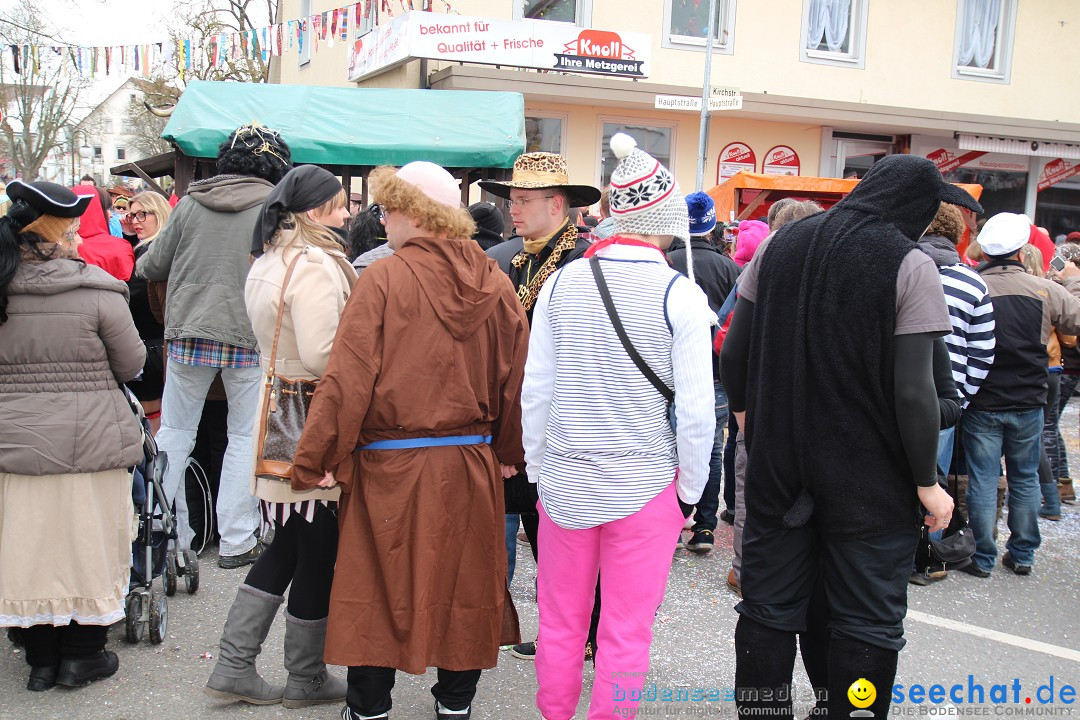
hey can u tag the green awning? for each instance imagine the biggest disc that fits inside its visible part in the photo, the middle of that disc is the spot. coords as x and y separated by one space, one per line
356 126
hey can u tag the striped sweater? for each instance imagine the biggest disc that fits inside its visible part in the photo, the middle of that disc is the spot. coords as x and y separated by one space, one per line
971 342
596 435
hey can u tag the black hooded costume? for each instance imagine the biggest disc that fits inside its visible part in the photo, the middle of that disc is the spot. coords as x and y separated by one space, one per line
841 427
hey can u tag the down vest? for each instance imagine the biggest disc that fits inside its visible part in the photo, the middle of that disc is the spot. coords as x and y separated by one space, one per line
67 344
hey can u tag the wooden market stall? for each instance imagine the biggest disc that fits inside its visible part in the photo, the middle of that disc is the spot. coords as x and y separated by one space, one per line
348 131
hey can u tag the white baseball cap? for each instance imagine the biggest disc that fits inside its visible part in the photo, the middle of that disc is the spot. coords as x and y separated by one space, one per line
1004 234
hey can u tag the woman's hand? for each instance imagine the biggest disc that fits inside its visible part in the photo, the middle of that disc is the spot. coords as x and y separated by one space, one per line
508 471
328 480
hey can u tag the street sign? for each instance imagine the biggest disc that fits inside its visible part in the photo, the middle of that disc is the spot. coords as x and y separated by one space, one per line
685 102
677 102
725 98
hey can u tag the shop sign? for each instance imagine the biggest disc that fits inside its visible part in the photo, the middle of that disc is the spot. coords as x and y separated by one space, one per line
947 160
734 157
781 160
539 44
1055 171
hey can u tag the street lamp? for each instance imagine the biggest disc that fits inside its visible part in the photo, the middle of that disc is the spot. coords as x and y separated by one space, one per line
85 153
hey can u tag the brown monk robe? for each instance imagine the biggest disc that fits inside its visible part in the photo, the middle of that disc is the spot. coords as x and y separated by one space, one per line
432 343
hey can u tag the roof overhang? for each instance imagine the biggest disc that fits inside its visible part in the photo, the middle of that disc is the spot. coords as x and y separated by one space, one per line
635 94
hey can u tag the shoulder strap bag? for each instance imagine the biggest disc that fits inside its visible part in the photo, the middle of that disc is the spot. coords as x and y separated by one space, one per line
652 377
285 402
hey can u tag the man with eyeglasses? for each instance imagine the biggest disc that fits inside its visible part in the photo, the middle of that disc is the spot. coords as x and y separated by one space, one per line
539 199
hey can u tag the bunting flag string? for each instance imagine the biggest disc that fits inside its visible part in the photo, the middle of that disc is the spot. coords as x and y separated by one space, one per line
196 54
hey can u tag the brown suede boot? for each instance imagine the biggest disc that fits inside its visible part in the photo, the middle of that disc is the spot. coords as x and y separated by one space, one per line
1067 492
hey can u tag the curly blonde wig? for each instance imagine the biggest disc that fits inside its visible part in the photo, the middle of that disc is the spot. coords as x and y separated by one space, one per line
397 195
949 223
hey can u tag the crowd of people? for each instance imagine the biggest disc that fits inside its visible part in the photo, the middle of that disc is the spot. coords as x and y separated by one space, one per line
405 388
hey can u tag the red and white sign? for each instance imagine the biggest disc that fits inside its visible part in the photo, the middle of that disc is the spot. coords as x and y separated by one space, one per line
1055 171
734 157
781 160
540 44
947 160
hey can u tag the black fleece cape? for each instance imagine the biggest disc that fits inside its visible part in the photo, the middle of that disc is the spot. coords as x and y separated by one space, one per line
822 436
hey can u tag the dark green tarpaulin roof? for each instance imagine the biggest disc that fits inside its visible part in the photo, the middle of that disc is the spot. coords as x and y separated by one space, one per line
356 126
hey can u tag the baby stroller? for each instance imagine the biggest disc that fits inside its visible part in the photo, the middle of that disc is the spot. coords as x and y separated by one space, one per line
154 551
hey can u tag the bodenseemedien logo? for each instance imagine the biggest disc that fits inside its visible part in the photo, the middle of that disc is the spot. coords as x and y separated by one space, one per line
861 694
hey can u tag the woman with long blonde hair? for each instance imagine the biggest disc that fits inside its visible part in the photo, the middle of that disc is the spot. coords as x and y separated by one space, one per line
147 214
301 275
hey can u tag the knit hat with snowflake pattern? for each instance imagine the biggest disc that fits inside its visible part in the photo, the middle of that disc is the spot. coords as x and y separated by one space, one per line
645 197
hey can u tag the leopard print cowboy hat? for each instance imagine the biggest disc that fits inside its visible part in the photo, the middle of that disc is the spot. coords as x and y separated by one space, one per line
539 170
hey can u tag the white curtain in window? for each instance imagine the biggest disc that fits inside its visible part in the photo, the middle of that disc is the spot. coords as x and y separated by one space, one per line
829 19
978 32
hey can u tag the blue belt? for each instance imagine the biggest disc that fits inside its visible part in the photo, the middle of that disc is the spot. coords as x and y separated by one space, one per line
422 442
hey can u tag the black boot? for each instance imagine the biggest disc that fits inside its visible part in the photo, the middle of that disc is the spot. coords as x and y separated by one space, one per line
764 661
851 661
83 657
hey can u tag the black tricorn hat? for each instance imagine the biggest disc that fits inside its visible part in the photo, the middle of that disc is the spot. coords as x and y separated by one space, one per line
49 198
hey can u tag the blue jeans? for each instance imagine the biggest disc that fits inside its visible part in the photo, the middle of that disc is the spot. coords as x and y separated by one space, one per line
512 524
181 408
946 438
1017 435
705 517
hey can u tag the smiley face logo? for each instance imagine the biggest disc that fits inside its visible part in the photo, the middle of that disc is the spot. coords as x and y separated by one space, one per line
862 693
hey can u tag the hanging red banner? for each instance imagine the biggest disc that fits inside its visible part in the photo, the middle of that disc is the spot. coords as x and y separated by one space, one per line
1055 171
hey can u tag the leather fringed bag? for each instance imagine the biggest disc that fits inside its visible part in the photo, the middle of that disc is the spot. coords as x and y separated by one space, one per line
285 408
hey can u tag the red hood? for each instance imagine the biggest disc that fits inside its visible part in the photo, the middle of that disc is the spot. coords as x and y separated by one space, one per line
1041 239
93 220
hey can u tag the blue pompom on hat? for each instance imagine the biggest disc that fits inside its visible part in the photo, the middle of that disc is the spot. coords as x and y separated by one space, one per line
702 211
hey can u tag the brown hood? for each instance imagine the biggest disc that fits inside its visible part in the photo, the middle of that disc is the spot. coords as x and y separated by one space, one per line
458 279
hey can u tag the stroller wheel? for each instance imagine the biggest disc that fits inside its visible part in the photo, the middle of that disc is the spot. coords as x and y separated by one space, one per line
159 617
170 573
133 626
191 571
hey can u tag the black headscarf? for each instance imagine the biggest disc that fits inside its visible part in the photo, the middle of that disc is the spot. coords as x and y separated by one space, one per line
303 188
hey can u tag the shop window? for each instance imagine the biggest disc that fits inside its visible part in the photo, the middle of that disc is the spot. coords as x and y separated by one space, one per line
686 24
543 134
984 39
1058 209
856 155
305 17
572 11
1003 190
834 32
657 140
367 19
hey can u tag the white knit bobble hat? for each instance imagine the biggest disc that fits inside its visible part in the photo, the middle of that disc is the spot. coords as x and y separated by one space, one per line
645 197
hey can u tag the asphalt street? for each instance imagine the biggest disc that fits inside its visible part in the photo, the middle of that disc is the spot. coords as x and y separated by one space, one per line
999 631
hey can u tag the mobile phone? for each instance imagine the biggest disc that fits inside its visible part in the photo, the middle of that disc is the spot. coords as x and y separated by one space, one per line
1058 263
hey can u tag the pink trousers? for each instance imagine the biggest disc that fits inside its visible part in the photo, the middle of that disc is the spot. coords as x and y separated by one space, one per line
633 558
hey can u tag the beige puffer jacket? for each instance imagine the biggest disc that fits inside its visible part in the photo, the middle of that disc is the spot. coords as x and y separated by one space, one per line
68 343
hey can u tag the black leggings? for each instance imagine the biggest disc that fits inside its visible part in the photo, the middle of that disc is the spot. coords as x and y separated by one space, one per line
369 689
46 644
302 555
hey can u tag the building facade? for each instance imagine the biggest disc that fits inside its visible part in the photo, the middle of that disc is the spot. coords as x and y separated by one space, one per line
828 87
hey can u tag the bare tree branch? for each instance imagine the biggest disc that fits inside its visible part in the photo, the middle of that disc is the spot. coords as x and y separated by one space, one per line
39 100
